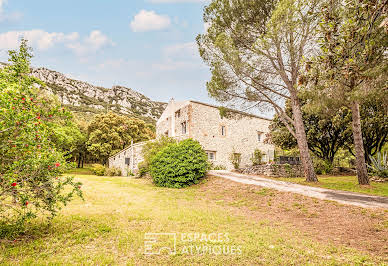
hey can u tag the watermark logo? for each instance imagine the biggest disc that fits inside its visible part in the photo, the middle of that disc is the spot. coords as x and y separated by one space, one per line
152 241
190 244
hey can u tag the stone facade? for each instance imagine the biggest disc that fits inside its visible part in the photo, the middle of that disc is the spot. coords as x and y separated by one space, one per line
239 134
220 136
274 170
127 160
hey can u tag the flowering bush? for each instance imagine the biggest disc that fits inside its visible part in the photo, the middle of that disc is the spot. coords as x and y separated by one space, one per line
30 165
179 164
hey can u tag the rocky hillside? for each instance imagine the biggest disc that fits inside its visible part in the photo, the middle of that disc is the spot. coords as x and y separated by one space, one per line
83 97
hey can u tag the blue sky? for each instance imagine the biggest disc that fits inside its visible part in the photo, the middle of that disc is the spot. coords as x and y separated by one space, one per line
147 45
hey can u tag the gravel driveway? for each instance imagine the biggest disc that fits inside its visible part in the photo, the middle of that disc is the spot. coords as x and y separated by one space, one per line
344 197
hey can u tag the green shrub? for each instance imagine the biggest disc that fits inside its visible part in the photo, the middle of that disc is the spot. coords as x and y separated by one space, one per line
98 169
322 167
257 156
235 159
150 149
211 166
143 169
129 172
113 171
379 165
179 164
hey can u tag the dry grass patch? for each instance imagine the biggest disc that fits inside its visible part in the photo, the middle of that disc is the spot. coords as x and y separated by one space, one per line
325 221
109 227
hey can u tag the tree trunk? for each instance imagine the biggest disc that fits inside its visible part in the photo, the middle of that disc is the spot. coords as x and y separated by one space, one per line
79 160
301 138
362 174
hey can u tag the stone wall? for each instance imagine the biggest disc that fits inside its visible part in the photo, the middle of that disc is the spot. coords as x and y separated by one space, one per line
241 134
133 154
274 170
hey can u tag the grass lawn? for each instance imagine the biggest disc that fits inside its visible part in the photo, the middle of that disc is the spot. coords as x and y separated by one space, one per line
348 183
109 227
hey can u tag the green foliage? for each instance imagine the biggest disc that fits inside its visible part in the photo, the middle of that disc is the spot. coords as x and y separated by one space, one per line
110 133
98 169
179 164
379 165
257 156
329 131
374 123
211 166
235 159
31 167
150 149
113 171
290 172
322 166
67 136
326 133
143 169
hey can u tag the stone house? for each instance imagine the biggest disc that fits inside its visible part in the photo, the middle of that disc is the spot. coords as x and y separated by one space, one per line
221 137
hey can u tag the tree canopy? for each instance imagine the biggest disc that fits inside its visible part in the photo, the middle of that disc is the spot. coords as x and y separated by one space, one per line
109 133
255 49
352 57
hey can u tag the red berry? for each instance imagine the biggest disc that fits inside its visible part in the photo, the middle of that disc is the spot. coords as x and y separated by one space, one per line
57 164
23 99
26 203
14 184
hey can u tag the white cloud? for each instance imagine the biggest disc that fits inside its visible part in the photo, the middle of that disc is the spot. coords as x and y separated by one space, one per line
37 38
181 56
149 21
2 3
42 40
9 17
91 44
181 50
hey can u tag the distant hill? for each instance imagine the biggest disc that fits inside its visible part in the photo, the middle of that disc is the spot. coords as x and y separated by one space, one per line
82 97
86 100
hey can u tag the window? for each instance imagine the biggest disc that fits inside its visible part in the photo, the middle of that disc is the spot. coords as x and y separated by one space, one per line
178 113
166 133
127 161
223 131
259 136
211 155
184 127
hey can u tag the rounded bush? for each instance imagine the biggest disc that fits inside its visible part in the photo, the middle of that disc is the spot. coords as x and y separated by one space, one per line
179 164
98 169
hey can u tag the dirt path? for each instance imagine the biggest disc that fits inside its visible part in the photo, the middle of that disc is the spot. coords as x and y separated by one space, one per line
344 197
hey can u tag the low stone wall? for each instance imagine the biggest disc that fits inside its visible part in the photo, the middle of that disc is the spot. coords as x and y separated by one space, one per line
274 170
